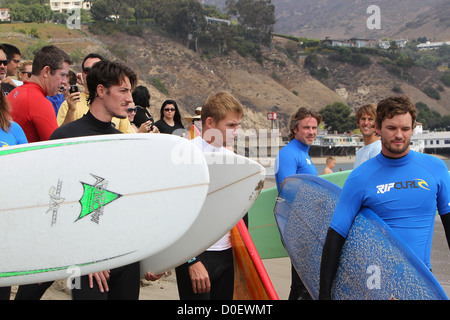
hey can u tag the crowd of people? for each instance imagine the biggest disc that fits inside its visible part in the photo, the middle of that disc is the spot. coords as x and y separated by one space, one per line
41 100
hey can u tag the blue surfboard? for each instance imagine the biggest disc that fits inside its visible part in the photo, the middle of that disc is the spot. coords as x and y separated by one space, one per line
374 264
261 220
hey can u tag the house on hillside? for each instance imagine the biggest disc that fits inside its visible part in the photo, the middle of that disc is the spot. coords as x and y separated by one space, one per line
338 140
353 42
66 5
4 15
385 44
432 45
362 43
335 42
211 20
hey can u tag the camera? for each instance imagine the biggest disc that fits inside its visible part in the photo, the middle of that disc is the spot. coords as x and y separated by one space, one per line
73 88
152 123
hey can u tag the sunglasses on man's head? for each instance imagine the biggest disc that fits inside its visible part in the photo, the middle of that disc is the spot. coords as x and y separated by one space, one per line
4 62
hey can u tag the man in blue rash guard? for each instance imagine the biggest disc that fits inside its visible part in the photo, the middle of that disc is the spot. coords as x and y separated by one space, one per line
401 186
294 159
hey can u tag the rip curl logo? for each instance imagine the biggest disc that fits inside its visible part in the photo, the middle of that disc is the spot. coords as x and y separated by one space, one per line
95 198
414 184
422 184
385 187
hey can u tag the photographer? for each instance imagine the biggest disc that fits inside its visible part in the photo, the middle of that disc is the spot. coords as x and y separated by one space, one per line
142 120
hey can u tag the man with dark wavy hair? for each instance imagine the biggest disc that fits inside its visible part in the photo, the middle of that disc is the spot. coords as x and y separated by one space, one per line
294 159
403 187
110 86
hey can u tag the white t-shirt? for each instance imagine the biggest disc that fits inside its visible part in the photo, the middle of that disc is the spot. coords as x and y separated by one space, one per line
225 242
367 152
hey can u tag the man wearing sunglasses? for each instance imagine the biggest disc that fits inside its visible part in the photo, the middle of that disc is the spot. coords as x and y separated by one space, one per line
7 84
13 54
30 107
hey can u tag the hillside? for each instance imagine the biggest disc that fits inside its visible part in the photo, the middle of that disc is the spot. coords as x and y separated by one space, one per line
278 85
318 19
343 18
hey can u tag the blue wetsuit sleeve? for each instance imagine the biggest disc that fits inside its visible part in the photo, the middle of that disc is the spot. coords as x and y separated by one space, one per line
330 262
443 197
285 166
18 133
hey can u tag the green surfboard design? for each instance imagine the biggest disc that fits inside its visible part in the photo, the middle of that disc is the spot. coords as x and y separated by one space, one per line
94 198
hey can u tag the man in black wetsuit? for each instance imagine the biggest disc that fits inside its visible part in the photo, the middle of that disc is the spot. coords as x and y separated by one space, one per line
110 85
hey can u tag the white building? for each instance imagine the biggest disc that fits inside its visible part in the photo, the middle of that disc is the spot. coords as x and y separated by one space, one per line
4 15
431 142
66 5
211 20
432 45
353 42
338 140
401 43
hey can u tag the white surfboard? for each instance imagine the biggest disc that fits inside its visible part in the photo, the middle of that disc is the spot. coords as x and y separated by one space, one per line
235 183
82 205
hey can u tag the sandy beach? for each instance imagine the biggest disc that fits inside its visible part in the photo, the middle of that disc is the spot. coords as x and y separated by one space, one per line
278 269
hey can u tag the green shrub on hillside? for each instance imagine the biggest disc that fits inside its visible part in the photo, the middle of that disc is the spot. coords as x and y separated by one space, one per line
432 93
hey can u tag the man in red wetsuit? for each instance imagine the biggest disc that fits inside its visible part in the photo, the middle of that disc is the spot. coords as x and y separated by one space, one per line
29 106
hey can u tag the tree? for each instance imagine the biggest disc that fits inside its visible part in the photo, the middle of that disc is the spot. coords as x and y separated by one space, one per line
337 117
100 10
446 79
185 20
404 62
429 119
29 10
257 18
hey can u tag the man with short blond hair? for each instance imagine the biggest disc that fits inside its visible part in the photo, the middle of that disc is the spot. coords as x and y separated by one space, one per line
210 275
365 119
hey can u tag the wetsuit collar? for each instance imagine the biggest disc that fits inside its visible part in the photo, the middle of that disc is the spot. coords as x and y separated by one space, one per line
96 122
301 145
396 161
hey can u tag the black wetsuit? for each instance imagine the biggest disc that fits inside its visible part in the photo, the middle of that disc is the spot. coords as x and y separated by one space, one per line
124 282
